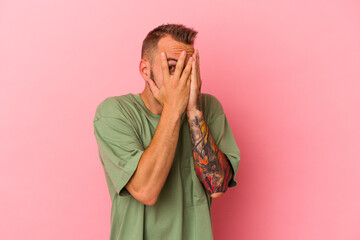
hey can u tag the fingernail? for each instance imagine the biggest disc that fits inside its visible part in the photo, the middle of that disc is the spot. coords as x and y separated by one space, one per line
190 59
183 53
163 54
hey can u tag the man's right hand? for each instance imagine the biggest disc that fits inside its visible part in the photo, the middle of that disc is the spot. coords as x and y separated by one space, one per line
175 90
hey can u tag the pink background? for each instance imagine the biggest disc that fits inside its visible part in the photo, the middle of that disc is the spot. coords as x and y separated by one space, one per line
286 72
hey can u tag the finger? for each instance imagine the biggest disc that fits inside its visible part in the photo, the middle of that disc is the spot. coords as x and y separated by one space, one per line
192 75
194 71
164 67
196 68
180 65
194 57
185 74
189 81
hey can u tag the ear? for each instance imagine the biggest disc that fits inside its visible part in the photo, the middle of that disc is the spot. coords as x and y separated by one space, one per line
144 69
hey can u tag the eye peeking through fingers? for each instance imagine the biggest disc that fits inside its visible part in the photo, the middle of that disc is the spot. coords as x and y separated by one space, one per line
172 68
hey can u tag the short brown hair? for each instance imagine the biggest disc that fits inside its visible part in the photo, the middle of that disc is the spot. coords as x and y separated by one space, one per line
178 32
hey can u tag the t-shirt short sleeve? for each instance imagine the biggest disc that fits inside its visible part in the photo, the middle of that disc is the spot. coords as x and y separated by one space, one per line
119 147
220 130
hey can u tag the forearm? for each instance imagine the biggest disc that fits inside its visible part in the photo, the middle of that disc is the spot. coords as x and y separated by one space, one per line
155 162
211 165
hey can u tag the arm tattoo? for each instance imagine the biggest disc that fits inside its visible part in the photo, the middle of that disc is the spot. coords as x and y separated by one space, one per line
211 165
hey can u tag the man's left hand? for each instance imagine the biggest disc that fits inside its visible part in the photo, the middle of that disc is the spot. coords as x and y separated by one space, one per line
195 88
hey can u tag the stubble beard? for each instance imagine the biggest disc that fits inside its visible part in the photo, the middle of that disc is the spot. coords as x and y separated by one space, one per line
152 77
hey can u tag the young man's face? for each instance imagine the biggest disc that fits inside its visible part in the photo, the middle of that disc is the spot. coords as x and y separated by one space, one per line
172 49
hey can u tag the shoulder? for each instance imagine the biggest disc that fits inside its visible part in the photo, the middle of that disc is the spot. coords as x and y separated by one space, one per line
210 104
113 107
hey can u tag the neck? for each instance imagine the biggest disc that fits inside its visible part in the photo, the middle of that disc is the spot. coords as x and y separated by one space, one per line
150 102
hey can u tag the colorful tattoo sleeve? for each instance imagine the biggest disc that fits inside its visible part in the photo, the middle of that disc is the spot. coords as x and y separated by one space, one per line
211 165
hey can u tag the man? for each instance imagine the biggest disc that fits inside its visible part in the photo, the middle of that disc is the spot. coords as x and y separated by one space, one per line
167 151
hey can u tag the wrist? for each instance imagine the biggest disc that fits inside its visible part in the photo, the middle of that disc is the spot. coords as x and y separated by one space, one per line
193 112
169 111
